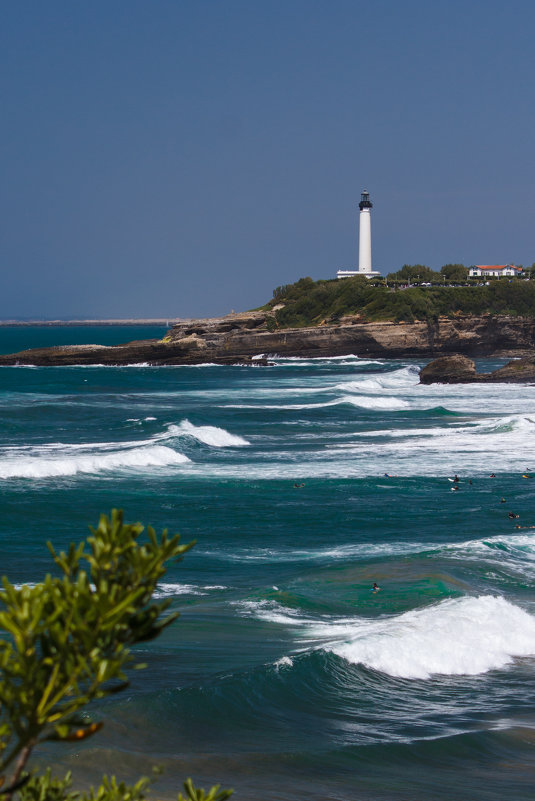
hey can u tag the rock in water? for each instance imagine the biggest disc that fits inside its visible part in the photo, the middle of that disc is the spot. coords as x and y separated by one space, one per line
459 369
455 369
516 372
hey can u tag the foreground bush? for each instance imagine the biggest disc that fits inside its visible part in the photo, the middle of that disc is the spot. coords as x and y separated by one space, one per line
67 642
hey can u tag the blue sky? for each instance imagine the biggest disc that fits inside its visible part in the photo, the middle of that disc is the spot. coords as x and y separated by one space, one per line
183 158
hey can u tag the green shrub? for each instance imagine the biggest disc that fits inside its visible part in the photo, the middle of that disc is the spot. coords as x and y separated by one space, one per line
67 642
309 302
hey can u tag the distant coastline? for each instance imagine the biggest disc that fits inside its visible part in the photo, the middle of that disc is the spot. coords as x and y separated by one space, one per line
163 321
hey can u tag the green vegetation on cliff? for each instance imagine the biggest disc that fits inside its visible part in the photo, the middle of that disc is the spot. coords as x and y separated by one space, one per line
309 302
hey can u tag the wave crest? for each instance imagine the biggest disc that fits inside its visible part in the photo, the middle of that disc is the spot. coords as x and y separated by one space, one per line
208 435
70 464
464 636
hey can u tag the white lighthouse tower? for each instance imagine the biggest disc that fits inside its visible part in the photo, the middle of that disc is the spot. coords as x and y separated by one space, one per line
365 233
365 241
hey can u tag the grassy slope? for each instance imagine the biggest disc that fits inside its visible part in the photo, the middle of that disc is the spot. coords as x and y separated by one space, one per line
309 302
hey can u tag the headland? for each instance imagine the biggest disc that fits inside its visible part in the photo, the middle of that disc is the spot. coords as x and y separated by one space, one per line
331 318
245 338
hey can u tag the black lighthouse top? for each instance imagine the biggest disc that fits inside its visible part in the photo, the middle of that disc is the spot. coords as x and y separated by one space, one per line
365 202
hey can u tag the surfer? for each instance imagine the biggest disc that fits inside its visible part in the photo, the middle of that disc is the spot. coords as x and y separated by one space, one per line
455 488
456 478
375 588
512 516
503 500
492 475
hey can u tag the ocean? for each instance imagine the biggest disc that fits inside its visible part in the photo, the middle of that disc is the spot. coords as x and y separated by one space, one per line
303 483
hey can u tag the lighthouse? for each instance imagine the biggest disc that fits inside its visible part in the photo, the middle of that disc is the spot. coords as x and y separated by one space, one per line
365 241
365 233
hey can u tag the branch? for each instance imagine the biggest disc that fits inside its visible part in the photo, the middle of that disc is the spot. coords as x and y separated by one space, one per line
19 767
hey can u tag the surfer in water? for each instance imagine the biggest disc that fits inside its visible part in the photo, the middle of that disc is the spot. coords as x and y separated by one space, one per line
375 588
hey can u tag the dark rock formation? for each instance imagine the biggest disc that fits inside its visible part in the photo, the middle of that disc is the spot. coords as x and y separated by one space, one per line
517 371
236 338
454 369
459 369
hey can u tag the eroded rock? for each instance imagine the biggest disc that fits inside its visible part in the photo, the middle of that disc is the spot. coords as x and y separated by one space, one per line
457 369
454 369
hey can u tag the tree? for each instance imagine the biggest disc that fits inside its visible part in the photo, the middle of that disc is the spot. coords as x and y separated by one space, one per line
413 272
67 641
454 272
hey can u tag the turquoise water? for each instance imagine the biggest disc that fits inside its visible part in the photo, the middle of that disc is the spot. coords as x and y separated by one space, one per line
15 338
286 677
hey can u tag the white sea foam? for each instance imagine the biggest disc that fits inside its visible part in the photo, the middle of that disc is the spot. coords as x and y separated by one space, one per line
66 459
514 553
461 636
208 435
73 460
464 636
361 401
362 550
170 589
167 590
497 444
270 611
398 380
317 360
284 661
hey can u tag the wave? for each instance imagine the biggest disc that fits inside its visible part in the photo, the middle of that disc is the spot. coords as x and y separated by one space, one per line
65 459
404 378
513 554
317 360
70 464
361 401
208 435
271 612
463 636
476 447
170 589
365 550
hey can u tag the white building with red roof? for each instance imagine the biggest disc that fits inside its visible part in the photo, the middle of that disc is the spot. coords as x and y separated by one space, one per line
494 271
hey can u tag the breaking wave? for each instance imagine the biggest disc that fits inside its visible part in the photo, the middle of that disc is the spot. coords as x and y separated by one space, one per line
65 459
208 435
57 462
361 401
170 589
462 636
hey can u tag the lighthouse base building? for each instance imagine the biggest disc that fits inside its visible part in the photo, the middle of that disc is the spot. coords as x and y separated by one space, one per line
365 242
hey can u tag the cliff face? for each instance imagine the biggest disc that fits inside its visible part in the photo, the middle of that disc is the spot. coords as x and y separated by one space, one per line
246 335
238 337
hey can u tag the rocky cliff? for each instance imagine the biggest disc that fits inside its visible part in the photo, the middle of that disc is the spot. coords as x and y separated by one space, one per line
236 338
